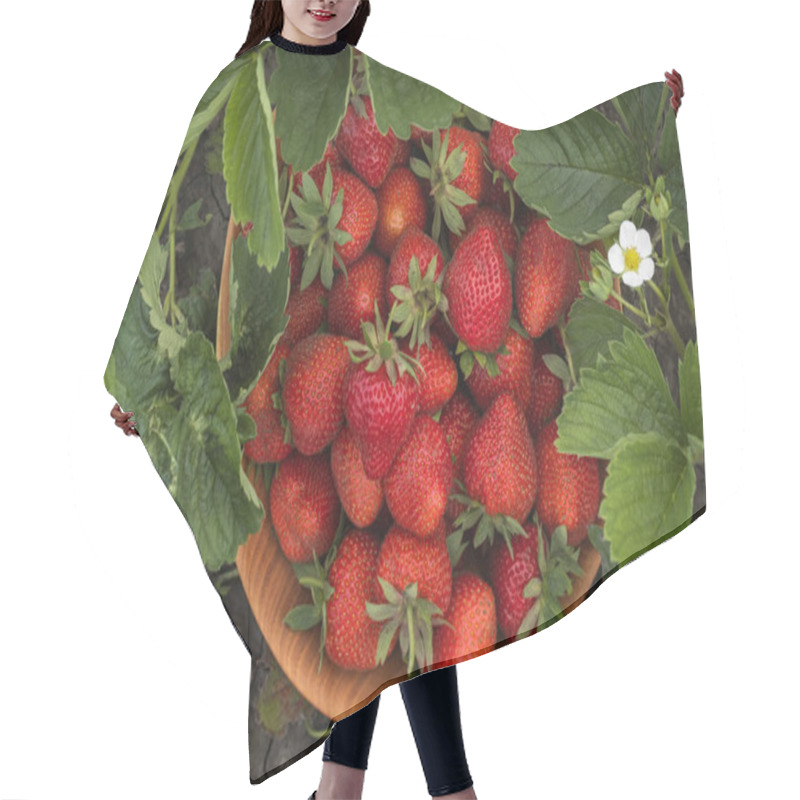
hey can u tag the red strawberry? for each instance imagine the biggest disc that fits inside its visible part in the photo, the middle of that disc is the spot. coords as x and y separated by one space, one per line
418 484
352 298
548 389
269 444
415 572
438 375
311 396
379 405
545 274
401 204
473 617
510 575
304 506
473 179
494 218
458 182
414 285
351 639
516 373
500 467
361 497
369 152
306 312
477 284
569 487
501 147
352 210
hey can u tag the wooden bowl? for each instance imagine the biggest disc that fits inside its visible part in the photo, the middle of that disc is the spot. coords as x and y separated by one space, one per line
272 590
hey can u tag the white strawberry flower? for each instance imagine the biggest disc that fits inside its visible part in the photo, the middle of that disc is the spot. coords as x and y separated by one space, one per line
631 256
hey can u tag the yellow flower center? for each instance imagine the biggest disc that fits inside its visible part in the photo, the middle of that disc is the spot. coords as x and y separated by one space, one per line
631 260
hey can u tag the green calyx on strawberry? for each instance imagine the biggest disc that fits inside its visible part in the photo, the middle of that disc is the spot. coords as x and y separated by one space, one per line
558 563
418 302
331 227
488 525
443 172
403 611
416 579
380 349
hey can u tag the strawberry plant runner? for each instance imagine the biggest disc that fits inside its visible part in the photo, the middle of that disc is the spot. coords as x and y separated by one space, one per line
418 381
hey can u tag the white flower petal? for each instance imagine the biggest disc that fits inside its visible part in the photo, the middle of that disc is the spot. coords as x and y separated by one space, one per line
616 259
643 244
646 269
631 278
627 234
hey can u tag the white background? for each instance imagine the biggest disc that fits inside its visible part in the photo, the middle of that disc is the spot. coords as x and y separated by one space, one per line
677 678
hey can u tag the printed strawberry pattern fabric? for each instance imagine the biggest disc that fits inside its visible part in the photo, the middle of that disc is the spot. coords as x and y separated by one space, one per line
418 380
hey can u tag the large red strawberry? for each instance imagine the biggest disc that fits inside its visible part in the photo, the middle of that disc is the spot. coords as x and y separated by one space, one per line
351 638
361 497
546 270
368 151
418 484
414 284
401 204
381 397
569 487
415 574
548 389
311 396
269 444
493 217
515 373
438 375
304 506
353 296
472 618
458 182
500 469
334 231
477 285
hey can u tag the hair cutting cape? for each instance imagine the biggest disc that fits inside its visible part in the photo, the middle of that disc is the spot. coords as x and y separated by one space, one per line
419 381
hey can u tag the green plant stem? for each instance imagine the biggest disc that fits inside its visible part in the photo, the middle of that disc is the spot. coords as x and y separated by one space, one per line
665 256
624 302
169 302
175 185
682 282
675 336
640 292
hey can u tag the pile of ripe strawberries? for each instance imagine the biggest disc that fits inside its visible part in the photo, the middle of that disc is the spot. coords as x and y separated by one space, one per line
408 390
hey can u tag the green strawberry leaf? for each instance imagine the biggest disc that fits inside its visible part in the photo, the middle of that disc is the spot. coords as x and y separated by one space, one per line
625 393
208 483
689 383
601 544
398 100
576 173
199 307
213 100
311 96
647 495
591 328
250 139
256 312
191 219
